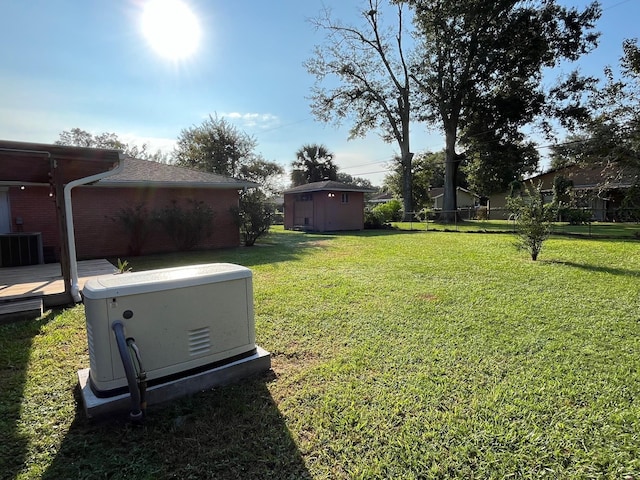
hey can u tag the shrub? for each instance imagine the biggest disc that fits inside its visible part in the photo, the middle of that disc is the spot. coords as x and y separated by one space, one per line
187 227
533 220
373 219
482 213
254 216
390 211
575 216
138 223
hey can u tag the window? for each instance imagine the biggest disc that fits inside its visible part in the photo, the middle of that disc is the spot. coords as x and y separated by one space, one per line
345 197
305 197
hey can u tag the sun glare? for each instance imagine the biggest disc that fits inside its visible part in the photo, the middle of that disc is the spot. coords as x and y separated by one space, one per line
171 28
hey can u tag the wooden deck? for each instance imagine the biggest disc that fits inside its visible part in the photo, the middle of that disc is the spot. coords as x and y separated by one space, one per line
44 280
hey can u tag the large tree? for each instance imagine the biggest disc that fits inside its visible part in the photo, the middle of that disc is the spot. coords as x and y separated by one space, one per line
482 65
428 172
313 163
367 68
215 146
77 137
611 134
218 146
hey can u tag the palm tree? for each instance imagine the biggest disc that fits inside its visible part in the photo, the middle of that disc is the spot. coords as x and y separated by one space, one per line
314 163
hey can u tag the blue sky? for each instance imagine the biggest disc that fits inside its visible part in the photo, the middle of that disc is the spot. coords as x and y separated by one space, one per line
69 63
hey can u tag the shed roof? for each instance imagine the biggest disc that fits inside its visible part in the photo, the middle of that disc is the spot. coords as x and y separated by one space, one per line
329 185
141 173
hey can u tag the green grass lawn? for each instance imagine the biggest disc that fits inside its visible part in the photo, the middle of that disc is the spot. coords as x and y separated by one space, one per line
396 354
595 229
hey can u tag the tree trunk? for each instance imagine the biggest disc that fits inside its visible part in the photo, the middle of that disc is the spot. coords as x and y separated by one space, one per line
407 186
450 202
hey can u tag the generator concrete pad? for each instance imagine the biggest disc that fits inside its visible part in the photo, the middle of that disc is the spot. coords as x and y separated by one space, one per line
98 407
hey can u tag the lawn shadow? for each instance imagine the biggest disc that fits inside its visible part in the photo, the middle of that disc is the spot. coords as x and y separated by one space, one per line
16 340
274 248
230 432
597 268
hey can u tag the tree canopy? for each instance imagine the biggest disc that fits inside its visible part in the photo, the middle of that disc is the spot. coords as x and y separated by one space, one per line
314 163
77 137
611 134
217 146
428 172
373 89
480 72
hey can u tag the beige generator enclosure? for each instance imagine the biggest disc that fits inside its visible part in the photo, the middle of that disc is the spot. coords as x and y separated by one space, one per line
180 321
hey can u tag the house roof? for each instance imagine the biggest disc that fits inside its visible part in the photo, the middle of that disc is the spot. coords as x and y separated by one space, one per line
382 198
34 163
144 173
439 192
587 177
329 185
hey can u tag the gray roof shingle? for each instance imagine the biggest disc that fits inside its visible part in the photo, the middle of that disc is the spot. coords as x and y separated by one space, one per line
328 185
138 172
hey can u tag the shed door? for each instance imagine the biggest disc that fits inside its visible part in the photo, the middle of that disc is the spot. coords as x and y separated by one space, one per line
303 214
5 215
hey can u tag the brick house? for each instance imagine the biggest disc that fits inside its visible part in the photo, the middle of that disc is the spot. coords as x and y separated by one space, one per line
27 207
602 188
325 207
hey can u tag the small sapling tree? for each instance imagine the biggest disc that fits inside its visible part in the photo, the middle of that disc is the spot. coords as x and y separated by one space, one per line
533 220
254 215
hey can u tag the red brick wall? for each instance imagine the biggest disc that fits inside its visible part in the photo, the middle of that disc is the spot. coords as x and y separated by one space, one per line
327 213
94 209
37 211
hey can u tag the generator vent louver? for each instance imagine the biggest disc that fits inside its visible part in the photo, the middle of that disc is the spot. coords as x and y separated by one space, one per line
199 341
90 341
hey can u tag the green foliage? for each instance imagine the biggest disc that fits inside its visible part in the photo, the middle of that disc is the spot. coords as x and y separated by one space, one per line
123 266
390 211
138 223
428 172
215 146
187 226
562 187
480 72
80 138
490 165
533 219
363 76
264 173
630 205
254 216
374 219
573 215
359 181
314 163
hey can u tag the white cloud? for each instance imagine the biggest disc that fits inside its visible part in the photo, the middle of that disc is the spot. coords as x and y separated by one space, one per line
165 145
253 120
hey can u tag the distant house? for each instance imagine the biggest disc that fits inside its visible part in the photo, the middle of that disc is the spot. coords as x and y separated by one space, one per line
29 207
380 198
600 188
464 198
325 207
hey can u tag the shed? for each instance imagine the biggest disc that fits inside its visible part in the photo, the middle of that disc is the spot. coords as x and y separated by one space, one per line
325 207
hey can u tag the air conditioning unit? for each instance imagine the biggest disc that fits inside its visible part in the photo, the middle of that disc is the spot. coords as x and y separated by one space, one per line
183 321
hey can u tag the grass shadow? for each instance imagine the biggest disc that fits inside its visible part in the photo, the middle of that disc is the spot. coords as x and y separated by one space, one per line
16 339
596 268
281 247
230 432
